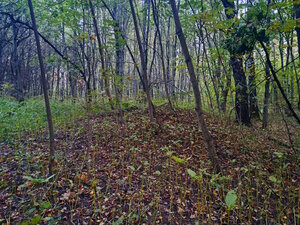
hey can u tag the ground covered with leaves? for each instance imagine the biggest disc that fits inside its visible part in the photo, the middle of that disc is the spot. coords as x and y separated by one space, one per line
151 173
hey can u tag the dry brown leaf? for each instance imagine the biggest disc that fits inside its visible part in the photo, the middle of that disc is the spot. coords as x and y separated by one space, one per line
84 178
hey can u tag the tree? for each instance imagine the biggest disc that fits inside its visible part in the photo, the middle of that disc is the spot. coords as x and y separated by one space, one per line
105 77
198 105
236 61
267 87
253 105
297 12
100 48
45 89
143 63
290 107
156 21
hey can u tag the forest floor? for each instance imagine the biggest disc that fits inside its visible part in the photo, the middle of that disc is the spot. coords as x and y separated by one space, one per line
152 173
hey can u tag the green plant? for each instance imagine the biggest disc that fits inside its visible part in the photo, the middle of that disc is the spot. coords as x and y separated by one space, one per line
29 116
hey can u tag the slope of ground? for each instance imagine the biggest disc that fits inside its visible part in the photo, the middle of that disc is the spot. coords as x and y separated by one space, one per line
143 173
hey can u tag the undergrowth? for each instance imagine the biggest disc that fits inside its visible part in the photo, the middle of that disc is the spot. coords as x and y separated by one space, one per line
28 116
145 173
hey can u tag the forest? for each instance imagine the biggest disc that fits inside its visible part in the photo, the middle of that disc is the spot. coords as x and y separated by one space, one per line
149 112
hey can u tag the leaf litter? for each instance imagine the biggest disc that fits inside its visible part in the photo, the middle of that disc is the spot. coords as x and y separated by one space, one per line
150 173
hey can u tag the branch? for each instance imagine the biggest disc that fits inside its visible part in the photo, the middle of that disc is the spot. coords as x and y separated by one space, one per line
278 83
123 37
48 42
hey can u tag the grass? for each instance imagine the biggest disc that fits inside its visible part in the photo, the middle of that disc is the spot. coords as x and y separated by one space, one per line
19 118
30 116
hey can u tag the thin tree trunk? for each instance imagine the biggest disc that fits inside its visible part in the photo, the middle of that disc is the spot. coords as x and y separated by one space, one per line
105 77
278 83
206 83
45 89
156 21
266 98
297 12
143 62
57 82
120 57
174 54
297 79
198 105
134 60
250 67
16 64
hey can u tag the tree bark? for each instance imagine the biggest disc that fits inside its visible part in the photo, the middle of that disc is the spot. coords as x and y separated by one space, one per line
266 97
156 21
198 105
241 95
250 66
297 12
45 89
278 84
143 63
16 64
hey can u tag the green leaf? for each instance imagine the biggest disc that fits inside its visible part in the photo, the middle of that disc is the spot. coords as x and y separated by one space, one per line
178 160
94 183
274 179
118 222
132 168
192 173
48 218
158 172
279 155
230 199
38 180
169 153
30 211
44 205
35 220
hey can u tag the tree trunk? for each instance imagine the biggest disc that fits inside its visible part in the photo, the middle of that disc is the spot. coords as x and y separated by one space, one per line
146 28
45 89
16 64
297 12
266 98
105 77
156 21
250 67
143 62
241 95
120 57
174 54
198 105
290 107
